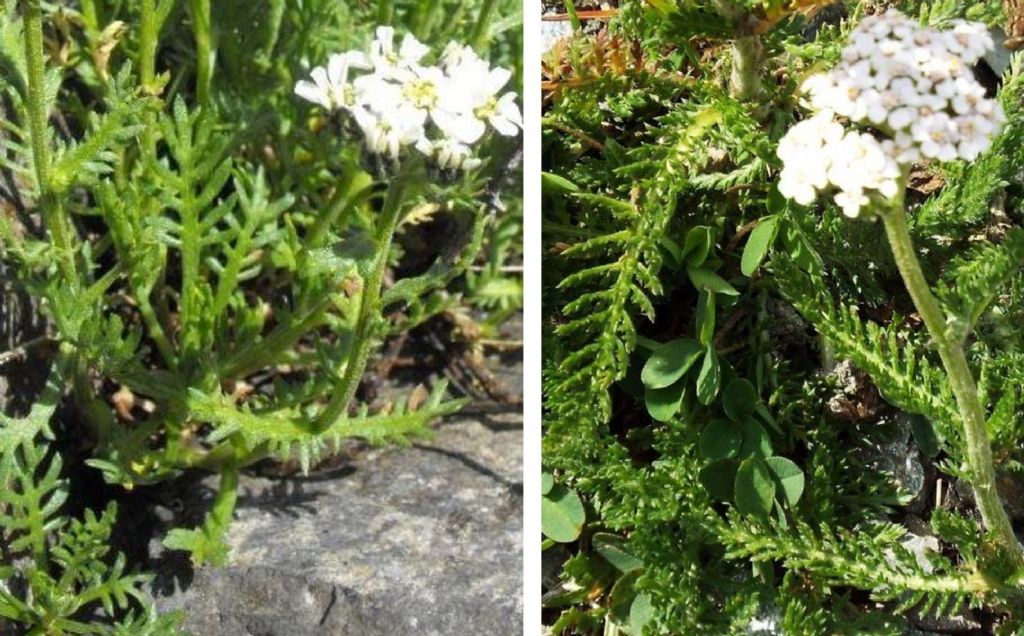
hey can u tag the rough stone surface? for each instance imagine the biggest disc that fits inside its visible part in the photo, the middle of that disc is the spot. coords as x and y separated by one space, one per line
425 540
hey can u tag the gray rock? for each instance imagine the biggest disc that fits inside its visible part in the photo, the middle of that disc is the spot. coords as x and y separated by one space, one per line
901 458
767 622
424 540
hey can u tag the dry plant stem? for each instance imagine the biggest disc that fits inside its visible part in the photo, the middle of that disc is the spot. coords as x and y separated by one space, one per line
52 211
979 450
369 308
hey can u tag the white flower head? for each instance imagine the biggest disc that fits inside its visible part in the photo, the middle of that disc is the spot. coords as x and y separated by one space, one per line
473 104
911 86
330 87
390 130
397 100
449 154
393 63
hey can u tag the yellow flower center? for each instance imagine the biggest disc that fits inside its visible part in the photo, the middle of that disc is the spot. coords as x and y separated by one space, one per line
487 110
422 93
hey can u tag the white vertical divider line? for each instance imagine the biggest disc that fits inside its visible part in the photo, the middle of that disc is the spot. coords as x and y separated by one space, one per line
531 317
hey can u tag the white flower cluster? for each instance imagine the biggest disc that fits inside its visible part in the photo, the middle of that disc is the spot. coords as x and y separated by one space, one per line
398 102
911 84
818 153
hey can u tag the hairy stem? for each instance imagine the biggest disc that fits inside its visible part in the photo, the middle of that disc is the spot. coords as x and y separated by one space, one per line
979 451
204 49
747 63
147 43
148 36
369 309
52 211
747 53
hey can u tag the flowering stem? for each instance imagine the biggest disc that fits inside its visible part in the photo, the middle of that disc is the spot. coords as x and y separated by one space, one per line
147 44
204 49
483 24
368 318
52 211
344 200
747 53
979 451
747 60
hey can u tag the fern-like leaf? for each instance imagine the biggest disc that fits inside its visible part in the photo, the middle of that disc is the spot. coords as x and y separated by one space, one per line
890 356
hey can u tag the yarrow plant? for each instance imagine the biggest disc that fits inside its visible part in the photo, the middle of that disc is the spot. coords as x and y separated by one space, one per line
913 87
215 265
756 419
397 101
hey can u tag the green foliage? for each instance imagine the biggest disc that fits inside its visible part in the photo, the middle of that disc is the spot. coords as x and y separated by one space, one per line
695 321
219 260
59 571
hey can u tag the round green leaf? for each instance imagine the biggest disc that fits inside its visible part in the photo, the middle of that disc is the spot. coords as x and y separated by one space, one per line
721 439
547 482
760 241
697 245
756 442
640 613
719 479
739 399
755 488
669 362
561 515
710 378
620 599
615 550
789 479
663 404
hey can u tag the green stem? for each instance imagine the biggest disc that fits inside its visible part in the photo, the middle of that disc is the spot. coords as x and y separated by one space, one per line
269 350
191 246
426 17
204 49
369 308
979 451
91 19
343 201
52 211
147 44
747 53
148 33
483 23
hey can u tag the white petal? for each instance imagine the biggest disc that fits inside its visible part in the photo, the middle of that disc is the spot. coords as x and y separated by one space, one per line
466 128
503 126
497 79
386 36
358 59
412 50
309 91
510 110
